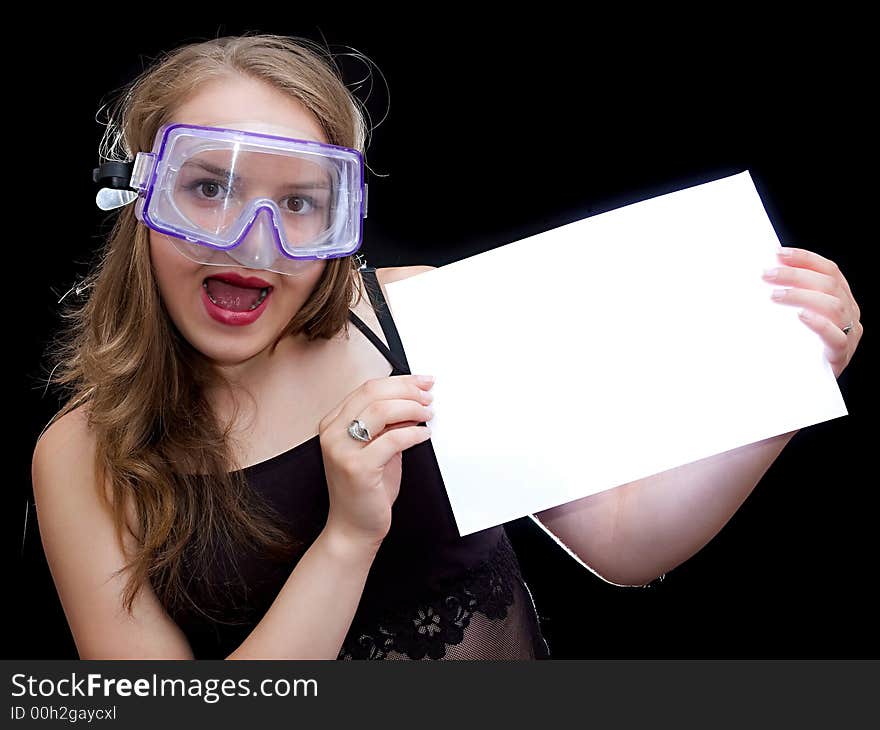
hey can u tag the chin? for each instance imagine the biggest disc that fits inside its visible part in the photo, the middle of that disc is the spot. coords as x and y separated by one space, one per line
228 356
228 348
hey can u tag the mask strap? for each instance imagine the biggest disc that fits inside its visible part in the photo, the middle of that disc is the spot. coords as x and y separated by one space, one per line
114 178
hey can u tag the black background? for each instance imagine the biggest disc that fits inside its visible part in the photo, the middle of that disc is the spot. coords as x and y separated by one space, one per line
472 121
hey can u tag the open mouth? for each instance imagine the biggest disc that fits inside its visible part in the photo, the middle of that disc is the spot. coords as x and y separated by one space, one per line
234 298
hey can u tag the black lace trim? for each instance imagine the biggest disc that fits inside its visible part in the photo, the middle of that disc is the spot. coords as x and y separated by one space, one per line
426 627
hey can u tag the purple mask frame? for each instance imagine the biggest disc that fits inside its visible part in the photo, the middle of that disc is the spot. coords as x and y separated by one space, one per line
148 167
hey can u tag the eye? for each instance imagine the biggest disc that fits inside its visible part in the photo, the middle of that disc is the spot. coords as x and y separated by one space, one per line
210 188
299 204
207 189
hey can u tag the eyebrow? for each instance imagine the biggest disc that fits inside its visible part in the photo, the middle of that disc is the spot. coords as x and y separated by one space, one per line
221 172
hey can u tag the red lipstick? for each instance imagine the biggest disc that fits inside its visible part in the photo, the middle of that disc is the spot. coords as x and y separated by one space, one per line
230 277
236 319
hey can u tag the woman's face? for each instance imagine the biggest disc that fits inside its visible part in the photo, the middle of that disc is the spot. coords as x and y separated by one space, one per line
249 105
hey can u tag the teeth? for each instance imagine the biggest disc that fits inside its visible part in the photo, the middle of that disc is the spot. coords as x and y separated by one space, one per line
263 294
205 284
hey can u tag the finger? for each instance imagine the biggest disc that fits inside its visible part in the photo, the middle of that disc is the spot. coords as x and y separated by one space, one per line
801 258
381 415
804 259
856 312
803 279
381 450
393 386
836 342
827 305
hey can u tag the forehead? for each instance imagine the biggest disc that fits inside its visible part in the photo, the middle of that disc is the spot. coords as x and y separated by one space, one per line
253 106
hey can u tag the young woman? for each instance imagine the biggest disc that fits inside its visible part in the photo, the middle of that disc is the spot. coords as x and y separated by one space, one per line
235 474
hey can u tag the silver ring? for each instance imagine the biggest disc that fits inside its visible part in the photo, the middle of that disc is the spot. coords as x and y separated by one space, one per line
357 430
848 328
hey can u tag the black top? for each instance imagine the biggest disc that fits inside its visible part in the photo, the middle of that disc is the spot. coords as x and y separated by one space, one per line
430 593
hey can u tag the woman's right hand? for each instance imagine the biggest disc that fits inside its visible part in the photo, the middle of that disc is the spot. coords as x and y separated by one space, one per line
363 478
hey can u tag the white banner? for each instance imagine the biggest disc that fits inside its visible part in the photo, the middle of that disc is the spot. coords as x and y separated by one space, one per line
609 349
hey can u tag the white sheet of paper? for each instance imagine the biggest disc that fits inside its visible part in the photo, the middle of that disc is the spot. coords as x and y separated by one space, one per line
608 350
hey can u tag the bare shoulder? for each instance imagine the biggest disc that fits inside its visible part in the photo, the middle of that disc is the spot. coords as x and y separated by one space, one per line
67 443
63 465
86 556
64 455
396 273
73 425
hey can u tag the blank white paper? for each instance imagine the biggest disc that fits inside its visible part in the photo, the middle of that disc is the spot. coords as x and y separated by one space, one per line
608 350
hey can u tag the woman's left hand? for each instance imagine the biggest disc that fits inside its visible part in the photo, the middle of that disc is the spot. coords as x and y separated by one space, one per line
817 284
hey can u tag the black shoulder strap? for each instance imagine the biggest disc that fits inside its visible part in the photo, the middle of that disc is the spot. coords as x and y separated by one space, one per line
396 356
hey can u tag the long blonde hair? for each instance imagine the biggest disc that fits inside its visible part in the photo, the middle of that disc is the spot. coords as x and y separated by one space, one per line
142 383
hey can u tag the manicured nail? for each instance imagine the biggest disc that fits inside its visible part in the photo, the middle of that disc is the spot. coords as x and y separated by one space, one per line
425 379
770 273
786 253
779 293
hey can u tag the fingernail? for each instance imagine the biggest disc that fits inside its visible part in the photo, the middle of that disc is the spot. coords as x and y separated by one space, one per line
770 273
425 379
779 293
785 252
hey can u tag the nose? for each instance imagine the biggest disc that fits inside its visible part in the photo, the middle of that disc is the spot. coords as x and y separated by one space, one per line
260 246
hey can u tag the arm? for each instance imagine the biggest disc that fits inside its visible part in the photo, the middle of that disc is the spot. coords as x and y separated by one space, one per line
635 533
82 550
309 618
313 612
643 529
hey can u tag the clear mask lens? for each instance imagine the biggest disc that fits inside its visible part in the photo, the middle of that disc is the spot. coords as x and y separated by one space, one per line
226 197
